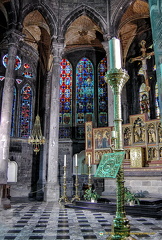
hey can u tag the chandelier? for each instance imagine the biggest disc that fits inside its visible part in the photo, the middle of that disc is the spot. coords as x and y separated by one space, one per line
36 138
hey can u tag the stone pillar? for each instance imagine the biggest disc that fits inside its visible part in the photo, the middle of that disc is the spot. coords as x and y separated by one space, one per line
109 90
44 148
7 100
52 185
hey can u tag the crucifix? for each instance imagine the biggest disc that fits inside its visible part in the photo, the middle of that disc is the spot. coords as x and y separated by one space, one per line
143 59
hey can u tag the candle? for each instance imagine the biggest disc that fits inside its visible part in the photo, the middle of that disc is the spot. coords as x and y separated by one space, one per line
64 160
113 134
89 160
115 53
76 160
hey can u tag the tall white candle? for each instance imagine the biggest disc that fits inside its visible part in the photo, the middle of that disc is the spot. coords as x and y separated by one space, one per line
64 160
113 134
76 160
115 53
89 159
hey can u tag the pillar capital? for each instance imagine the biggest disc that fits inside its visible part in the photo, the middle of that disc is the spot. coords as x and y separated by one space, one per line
57 49
13 37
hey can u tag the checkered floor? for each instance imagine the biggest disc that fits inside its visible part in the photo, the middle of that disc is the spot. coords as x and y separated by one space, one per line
40 220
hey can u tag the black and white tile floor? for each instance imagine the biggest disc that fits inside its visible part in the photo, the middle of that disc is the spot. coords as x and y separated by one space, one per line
50 221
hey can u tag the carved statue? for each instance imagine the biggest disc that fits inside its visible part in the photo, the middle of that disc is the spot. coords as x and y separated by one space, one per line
127 137
151 134
139 131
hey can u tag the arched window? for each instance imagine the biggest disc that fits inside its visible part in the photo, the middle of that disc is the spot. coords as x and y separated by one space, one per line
84 95
157 109
65 99
13 112
25 111
144 100
102 94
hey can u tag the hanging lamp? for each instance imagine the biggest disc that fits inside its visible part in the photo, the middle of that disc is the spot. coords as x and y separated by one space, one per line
36 138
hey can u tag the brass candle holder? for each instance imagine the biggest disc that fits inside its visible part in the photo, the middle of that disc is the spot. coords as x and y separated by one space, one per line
76 196
64 197
121 227
89 176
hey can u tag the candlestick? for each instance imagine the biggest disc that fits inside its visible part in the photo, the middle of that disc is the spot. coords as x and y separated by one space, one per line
64 196
115 53
76 196
117 77
76 160
89 160
65 160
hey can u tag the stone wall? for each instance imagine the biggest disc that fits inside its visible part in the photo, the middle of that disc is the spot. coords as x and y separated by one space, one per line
22 153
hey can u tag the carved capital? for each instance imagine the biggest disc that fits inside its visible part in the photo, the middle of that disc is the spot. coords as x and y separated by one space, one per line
57 50
14 36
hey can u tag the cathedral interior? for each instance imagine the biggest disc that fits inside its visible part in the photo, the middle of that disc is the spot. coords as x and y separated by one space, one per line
57 108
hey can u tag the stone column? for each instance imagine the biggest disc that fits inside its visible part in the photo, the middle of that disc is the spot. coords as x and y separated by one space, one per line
13 38
109 90
44 148
52 185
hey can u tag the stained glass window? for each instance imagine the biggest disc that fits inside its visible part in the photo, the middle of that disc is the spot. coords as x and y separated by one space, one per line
157 109
13 113
84 94
102 94
19 81
26 73
144 100
17 62
25 111
2 78
65 117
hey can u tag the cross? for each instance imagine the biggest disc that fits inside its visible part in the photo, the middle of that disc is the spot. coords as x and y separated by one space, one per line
143 59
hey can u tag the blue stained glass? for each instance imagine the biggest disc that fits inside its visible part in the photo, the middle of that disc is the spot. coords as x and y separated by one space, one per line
84 90
25 111
102 94
17 62
65 117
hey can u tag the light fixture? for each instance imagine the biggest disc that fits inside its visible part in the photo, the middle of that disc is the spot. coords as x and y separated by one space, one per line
36 138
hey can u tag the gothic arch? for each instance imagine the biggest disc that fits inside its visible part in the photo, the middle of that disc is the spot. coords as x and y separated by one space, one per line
87 11
118 13
46 13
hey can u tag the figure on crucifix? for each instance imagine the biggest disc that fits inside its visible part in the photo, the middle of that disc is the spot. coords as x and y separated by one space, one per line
143 58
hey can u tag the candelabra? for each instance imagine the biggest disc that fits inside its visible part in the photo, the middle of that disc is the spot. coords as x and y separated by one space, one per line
117 77
64 196
89 176
121 228
76 196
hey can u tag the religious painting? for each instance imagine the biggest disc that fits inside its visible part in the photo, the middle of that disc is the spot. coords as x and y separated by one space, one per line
102 138
88 136
101 142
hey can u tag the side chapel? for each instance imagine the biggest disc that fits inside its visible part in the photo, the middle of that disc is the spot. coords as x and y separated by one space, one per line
54 100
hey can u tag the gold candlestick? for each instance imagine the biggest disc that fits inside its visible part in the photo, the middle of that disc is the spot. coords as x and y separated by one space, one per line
64 196
89 177
76 196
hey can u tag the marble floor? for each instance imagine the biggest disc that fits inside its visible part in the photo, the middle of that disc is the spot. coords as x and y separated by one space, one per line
41 220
